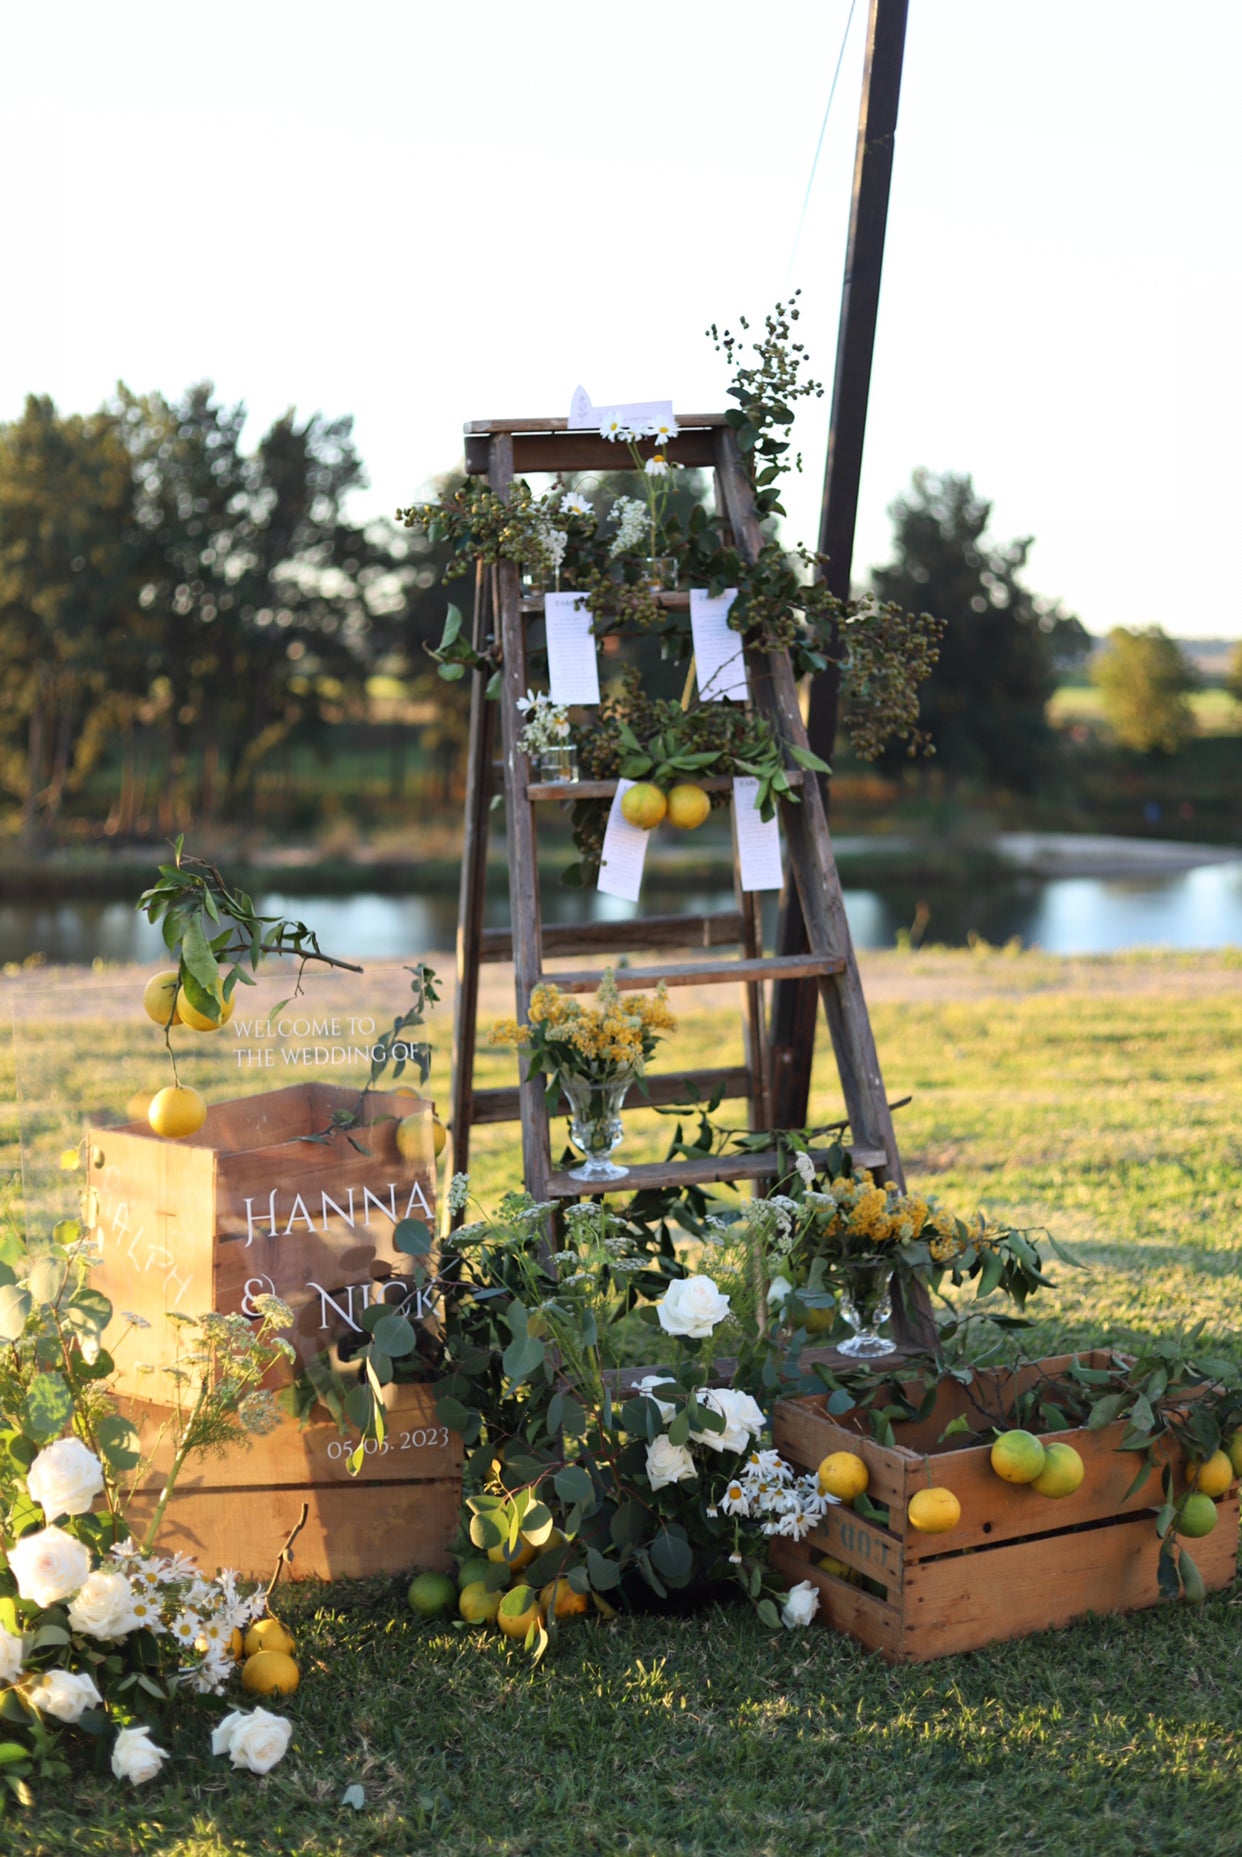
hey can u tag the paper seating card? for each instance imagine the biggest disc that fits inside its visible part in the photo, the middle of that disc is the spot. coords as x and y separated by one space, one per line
625 852
583 417
758 840
718 653
573 667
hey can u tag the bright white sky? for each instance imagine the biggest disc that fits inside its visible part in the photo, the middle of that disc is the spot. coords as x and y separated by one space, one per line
420 215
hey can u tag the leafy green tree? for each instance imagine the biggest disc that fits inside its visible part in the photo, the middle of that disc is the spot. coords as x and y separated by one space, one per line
1145 679
1004 649
68 611
1233 676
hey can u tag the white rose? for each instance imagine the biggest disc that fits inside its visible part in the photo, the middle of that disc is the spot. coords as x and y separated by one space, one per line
692 1306
104 1608
801 1605
48 1566
12 1650
743 1420
255 1741
135 1756
778 1290
668 1463
646 1386
65 1478
66 1694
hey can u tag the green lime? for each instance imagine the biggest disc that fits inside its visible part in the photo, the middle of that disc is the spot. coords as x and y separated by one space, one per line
472 1570
432 1595
1196 1515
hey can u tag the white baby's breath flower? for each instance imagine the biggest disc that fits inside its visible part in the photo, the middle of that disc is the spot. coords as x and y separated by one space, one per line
806 1168
459 1192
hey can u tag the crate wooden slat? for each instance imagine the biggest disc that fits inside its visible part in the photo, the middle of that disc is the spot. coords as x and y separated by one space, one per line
1017 1562
706 1172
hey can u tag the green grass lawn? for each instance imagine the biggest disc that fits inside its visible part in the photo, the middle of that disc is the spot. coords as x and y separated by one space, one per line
1100 1098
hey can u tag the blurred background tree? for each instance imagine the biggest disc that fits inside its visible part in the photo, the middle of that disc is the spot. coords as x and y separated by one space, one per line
1145 682
1005 648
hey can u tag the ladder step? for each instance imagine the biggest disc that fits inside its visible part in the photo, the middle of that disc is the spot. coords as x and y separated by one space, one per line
502 1105
604 789
703 973
715 1167
723 929
669 602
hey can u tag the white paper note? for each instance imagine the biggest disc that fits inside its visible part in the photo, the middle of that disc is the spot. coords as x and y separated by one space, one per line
718 661
573 667
758 840
583 417
625 852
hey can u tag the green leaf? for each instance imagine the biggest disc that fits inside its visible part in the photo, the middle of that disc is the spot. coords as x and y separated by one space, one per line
396 1336
200 968
452 1413
50 1635
1193 1586
1104 1411
412 1237
14 1309
359 1406
768 1614
47 1280
537 1524
573 1484
672 1557
604 1574
806 757
520 1359
118 1442
48 1406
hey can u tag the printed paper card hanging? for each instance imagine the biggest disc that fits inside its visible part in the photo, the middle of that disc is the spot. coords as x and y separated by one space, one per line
718 654
758 840
624 853
573 666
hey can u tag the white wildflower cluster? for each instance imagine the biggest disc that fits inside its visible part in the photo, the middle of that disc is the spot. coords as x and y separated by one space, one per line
572 504
170 1597
459 1193
631 518
806 1169
547 723
767 1491
661 430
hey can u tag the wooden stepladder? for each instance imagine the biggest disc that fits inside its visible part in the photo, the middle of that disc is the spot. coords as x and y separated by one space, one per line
501 450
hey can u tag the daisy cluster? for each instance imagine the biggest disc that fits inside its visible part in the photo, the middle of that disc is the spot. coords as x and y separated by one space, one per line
169 1596
767 1491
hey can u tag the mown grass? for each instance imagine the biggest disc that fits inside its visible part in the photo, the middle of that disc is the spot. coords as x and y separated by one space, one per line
1102 1099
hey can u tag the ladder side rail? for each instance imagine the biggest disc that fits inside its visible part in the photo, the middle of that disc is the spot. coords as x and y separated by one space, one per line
473 885
524 909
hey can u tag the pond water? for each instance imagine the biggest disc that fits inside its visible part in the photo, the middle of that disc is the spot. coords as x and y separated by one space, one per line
1200 908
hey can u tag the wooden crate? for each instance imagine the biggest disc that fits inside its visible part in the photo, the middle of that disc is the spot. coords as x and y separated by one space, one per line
400 1512
250 1204
1017 1562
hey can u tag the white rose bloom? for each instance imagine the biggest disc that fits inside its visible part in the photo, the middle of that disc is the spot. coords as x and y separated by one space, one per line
67 1694
646 1386
12 1651
48 1566
668 1463
778 1290
743 1420
135 1756
65 1478
255 1741
801 1605
104 1608
692 1306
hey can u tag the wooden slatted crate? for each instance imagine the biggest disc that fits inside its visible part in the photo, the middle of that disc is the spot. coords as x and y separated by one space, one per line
1017 1562
268 1197
400 1513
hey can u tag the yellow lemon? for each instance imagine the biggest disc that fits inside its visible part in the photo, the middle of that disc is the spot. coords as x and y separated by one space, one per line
820 1321
843 1474
1196 1515
198 1021
933 1511
177 1111
559 1599
1212 1478
518 1611
831 1564
405 1089
270 1673
1234 1450
478 1605
439 1135
268 1634
521 1556
237 1645
1062 1473
412 1137
138 1105
1017 1457
688 806
159 998
643 805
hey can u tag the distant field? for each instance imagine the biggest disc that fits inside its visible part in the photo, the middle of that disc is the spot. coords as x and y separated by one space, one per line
1216 713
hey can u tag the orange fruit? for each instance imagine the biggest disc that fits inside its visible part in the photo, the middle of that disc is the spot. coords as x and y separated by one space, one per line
559 1600
1213 1477
933 1511
643 805
270 1673
1062 1473
268 1634
688 806
518 1611
159 998
198 1021
1018 1457
522 1555
478 1605
176 1112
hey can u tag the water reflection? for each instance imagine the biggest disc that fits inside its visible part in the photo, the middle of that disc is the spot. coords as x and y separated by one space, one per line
1199 908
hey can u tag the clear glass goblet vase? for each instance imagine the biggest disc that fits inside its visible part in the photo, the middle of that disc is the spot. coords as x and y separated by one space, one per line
866 1304
595 1124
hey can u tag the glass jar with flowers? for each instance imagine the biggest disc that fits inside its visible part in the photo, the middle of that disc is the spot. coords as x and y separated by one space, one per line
546 738
590 1055
640 520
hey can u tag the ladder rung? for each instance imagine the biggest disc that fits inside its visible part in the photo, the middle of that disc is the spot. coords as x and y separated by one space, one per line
703 973
502 1105
604 789
672 602
720 930
715 1167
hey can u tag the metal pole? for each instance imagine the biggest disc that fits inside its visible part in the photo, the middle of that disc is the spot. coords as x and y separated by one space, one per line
795 1002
